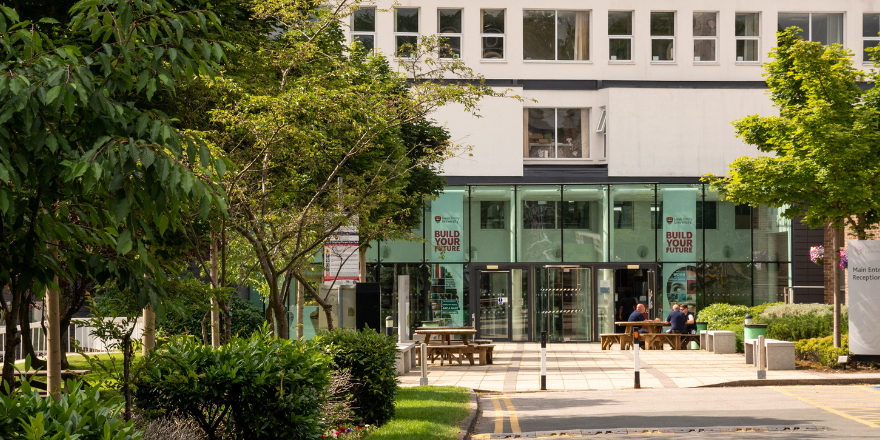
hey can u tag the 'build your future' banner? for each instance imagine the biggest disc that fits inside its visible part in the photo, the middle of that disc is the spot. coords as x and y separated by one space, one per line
679 220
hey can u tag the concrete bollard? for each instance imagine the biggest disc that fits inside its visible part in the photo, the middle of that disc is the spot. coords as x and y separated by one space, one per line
424 379
759 358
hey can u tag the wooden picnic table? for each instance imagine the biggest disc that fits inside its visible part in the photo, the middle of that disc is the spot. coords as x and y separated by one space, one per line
446 333
652 326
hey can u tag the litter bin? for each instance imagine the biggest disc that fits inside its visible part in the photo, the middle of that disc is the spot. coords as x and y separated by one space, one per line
700 327
752 331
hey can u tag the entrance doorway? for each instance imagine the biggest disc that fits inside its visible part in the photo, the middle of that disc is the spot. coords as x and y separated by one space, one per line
628 287
564 303
503 306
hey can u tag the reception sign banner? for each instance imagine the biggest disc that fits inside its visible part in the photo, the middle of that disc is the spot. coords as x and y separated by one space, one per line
864 296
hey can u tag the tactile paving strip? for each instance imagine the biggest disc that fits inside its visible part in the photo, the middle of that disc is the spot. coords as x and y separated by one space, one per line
583 433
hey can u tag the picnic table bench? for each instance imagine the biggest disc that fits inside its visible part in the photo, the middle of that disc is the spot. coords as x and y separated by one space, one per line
453 350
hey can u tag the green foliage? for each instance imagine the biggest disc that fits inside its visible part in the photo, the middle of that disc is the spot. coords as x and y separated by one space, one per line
795 327
80 414
371 357
825 143
778 310
258 387
719 314
739 332
246 319
761 308
822 350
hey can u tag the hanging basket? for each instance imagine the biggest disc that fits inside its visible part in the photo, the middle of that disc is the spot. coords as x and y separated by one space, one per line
817 255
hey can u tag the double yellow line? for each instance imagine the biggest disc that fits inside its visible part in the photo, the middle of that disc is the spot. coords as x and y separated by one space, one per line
499 415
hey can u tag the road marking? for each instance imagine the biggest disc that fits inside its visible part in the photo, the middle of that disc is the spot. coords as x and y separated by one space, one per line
827 408
499 416
511 413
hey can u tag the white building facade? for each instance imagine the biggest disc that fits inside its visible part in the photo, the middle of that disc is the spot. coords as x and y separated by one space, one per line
585 197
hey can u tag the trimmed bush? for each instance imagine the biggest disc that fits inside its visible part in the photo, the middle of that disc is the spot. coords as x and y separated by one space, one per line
258 387
371 357
798 327
79 414
761 308
778 310
822 350
719 315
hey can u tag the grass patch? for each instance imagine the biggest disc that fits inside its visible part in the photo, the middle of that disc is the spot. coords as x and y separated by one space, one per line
428 412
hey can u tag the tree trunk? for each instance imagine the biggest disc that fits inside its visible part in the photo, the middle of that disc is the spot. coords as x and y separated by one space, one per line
277 311
12 340
215 303
328 309
126 371
149 337
300 309
27 343
205 329
53 340
835 261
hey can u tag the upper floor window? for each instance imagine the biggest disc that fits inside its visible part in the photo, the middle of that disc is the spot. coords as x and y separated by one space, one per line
363 27
557 133
556 35
705 36
449 25
822 28
620 35
870 33
663 36
406 31
492 33
747 32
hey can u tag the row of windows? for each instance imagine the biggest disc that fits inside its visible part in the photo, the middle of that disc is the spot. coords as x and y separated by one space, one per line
564 35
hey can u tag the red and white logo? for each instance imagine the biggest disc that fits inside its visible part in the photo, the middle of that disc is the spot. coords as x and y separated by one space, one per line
437 218
669 220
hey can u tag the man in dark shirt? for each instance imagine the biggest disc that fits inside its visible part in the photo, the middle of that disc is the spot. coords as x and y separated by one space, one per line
637 315
691 321
677 320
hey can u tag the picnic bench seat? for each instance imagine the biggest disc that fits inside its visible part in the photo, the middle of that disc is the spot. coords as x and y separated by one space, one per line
484 350
622 339
678 341
452 352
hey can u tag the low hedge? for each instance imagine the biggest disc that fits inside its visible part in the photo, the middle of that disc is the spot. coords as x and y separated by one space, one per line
822 350
371 357
739 331
257 388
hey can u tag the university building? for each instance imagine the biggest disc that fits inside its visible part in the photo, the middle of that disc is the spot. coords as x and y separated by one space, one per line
585 197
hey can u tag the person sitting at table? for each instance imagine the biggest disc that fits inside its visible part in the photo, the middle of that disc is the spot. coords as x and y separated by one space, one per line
691 321
677 320
638 316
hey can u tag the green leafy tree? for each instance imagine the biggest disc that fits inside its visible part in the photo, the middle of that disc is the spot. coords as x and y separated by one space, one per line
825 143
322 138
90 170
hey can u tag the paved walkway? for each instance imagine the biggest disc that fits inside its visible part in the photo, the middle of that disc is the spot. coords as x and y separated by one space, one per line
573 367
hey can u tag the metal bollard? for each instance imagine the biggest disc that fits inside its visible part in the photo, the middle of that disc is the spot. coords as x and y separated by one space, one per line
637 384
543 361
762 374
389 325
424 379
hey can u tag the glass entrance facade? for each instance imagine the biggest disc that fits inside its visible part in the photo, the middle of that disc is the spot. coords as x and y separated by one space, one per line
702 250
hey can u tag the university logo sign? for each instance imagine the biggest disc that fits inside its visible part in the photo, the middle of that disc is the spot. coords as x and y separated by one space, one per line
437 218
669 220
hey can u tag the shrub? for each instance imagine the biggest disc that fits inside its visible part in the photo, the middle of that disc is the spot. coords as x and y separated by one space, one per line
80 414
739 331
760 308
372 359
258 387
797 327
778 310
822 350
719 315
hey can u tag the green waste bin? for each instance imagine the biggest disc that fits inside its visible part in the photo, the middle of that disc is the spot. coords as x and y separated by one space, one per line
752 331
700 327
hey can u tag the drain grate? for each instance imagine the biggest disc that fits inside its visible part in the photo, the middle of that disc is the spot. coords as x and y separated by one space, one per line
582 433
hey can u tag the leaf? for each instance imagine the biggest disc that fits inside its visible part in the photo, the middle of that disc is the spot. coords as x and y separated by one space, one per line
151 88
49 20
162 224
51 142
205 208
123 243
53 94
187 181
147 156
4 201
221 167
122 207
143 77
218 52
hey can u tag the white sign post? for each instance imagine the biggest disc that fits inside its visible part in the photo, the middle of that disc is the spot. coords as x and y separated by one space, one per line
864 296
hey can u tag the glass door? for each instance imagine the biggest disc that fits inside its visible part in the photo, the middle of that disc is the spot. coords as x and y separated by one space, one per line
494 305
564 299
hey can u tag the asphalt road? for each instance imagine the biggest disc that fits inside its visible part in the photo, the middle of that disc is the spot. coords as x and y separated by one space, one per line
846 411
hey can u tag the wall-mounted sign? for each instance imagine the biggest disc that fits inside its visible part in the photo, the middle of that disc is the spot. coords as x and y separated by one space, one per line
341 256
449 305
